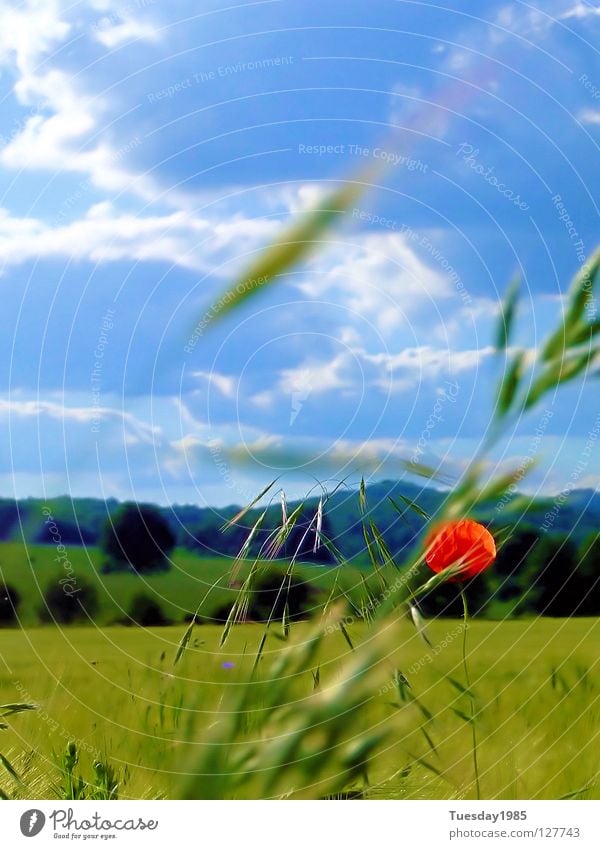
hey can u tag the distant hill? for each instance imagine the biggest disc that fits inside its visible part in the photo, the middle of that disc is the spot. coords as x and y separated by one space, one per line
550 564
80 521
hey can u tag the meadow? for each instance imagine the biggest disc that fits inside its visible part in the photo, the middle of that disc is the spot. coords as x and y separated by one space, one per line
117 694
192 583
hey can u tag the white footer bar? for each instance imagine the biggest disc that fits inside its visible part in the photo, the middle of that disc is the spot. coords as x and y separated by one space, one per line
302 825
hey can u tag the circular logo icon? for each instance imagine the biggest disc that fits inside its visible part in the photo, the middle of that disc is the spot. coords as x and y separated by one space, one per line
32 822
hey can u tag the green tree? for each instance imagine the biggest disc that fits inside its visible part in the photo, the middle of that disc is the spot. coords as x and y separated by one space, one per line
69 602
146 611
445 600
509 573
552 580
588 571
139 538
271 596
9 601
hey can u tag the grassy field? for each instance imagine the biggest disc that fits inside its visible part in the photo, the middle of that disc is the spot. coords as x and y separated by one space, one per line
191 582
116 692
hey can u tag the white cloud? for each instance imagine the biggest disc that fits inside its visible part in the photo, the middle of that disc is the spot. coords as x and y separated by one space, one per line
56 141
100 237
225 450
135 429
397 372
29 31
380 276
112 34
589 116
60 129
356 371
427 362
529 24
534 24
263 400
225 384
313 376
467 325
104 235
391 457
581 11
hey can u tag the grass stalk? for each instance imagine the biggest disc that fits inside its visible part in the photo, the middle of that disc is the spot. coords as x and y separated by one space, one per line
470 692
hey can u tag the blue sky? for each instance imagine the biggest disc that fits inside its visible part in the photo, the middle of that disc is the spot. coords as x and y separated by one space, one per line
149 150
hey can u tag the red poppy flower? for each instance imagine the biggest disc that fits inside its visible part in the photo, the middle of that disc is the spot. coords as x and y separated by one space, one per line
462 542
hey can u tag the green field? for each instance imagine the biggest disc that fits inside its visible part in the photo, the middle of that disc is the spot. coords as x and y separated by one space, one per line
191 583
116 692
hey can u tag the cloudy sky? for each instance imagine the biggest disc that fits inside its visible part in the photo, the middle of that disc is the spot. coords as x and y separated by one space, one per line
148 150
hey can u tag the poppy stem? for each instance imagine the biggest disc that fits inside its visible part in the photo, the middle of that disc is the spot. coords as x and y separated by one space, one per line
468 686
